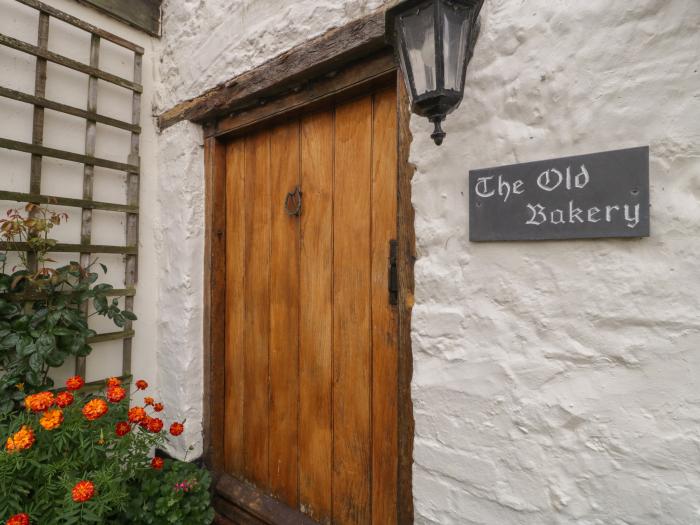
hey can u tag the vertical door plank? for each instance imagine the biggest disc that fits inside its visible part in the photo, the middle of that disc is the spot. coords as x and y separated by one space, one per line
352 314
316 319
257 308
284 315
407 257
384 316
214 301
235 309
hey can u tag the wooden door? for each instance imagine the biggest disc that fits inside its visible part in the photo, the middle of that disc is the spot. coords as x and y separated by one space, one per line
311 334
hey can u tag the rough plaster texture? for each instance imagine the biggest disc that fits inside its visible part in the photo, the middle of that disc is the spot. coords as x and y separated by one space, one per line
206 42
180 244
555 382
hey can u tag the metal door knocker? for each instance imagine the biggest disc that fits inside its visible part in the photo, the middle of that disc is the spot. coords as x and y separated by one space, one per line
292 203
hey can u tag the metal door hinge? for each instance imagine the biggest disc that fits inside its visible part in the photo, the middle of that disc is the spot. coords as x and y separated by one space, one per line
393 272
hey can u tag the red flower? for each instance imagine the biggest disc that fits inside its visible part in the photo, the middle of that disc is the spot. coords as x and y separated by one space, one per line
63 399
114 381
83 491
75 383
115 394
158 407
141 384
39 402
157 463
137 414
145 422
155 425
18 519
148 400
95 409
122 428
177 428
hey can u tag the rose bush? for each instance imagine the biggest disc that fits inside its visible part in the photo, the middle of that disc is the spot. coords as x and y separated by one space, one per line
43 310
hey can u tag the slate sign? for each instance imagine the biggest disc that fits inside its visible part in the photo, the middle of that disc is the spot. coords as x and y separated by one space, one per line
582 197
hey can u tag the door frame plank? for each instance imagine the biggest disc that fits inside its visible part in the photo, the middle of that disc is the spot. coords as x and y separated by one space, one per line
215 250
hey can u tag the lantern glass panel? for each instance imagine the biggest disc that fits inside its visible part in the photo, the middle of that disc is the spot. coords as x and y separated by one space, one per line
418 28
456 35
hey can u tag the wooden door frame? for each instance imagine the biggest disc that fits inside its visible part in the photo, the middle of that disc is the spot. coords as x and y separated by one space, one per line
350 78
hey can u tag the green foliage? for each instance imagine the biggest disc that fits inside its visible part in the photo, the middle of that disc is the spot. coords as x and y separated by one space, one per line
39 480
43 318
176 495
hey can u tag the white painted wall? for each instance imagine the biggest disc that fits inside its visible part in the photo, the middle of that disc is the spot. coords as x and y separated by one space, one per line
64 178
554 382
557 382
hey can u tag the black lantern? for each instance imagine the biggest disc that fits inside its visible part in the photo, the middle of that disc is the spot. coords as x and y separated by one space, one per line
434 41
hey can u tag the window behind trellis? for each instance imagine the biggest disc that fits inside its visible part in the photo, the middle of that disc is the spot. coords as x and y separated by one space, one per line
70 104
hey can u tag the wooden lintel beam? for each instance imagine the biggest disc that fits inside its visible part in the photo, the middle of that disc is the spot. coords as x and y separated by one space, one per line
348 81
314 58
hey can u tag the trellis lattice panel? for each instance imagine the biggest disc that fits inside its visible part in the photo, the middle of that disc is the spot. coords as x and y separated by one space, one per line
68 82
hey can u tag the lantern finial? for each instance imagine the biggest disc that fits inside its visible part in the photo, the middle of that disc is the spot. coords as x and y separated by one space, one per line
438 134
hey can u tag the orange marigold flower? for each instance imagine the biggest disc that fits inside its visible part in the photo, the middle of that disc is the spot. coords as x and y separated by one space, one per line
116 394
141 384
145 422
18 519
114 381
75 383
39 402
137 414
122 428
83 491
158 407
177 428
64 399
95 409
52 419
157 463
23 439
148 400
155 425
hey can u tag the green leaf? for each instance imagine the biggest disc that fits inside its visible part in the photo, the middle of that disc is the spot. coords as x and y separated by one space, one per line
25 346
131 316
46 343
33 378
36 362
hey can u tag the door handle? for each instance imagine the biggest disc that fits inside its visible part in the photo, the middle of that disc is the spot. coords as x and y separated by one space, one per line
292 203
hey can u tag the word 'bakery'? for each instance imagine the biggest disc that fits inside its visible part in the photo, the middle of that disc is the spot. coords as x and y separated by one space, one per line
551 180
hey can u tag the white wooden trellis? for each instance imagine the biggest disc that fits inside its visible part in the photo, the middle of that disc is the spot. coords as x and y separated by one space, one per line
37 150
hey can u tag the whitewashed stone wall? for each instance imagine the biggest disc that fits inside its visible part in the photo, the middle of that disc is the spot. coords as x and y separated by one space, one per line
555 382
